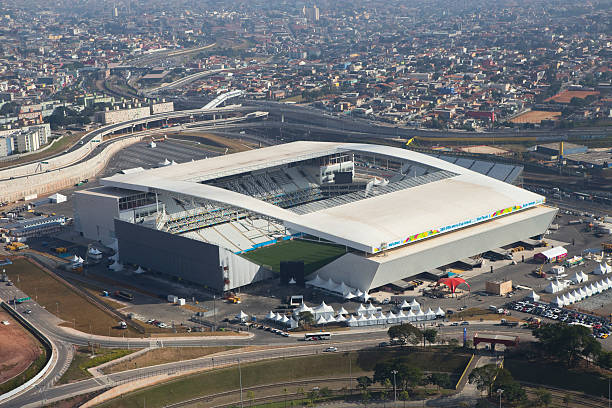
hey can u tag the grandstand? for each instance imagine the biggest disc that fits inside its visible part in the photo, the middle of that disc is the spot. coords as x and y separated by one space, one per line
395 212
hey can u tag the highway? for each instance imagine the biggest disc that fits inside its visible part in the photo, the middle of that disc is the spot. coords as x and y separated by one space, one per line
64 338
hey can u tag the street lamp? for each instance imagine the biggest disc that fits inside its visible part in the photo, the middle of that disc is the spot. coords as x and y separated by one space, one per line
500 392
240 374
394 386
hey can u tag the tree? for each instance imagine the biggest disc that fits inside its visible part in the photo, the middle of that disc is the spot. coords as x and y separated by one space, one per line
566 342
513 391
405 332
306 317
364 382
567 398
543 397
484 377
430 335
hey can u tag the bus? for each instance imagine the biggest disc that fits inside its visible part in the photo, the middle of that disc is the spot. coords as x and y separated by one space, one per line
317 336
124 295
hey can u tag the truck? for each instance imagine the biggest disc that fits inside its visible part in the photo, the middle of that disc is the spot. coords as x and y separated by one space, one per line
122 325
124 295
507 323
60 250
16 246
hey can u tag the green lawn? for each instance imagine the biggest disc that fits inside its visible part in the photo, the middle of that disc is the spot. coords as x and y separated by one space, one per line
82 361
314 254
323 365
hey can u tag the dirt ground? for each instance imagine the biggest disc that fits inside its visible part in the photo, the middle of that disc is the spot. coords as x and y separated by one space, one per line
535 117
18 349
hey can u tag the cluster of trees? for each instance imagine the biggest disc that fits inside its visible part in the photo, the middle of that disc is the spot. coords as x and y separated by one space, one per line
570 343
408 333
402 377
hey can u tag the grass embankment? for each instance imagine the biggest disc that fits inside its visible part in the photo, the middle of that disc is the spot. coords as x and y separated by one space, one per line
64 143
83 360
26 375
64 302
165 355
582 379
324 365
314 254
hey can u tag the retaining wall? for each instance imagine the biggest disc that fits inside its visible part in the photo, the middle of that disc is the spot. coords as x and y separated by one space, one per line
54 180
48 345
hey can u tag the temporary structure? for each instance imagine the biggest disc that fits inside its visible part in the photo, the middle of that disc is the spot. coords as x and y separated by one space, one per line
440 312
242 316
534 296
361 309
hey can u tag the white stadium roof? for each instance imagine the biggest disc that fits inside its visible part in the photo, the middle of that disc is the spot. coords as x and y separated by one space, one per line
395 219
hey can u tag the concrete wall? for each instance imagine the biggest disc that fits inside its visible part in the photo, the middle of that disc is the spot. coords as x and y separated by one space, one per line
94 215
54 180
189 259
160 251
368 273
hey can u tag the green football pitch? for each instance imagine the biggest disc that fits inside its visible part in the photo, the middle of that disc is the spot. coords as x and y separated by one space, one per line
314 254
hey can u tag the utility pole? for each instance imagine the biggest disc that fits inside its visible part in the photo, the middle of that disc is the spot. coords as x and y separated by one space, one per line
394 386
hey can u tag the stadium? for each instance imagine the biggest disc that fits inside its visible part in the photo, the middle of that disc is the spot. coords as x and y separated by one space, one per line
360 216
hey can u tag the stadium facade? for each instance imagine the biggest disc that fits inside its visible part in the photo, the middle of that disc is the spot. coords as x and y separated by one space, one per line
397 212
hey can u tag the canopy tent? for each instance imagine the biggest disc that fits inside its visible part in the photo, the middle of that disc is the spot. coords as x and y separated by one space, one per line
534 296
391 317
94 251
440 312
583 293
342 311
585 277
553 287
420 315
371 308
303 308
352 321
317 281
453 283
116 266
602 269
270 315
577 278
340 318
139 271
278 317
292 281
242 316
430 314
559 302
321 320
361 309
405 305
323 310
348 295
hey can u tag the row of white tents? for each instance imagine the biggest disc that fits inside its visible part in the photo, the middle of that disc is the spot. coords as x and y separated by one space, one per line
582 293
364 316
341 288
603 269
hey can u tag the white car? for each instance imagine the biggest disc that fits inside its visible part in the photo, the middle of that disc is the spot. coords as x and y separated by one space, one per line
331 349
5 322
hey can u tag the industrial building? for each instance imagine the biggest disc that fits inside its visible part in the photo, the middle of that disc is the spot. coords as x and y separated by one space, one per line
396 212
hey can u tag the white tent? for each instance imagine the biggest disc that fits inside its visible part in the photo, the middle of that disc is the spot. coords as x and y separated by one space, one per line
420 315
381 318
361 309
139 271
75 258
583 293
365 297
352 321
348 295
270 315
57 198
430 315
302 308
600 287
415 306
559 302
292 323
342 311
602 269
242 316
566 300
585 277
553 287
401 316
405 305
285 319
292 281
576 296
340 318
362 320
371 308
588 290
372 320
440 312
94 251
343 288
359 293
321 320
331 319
608 281
116 266
577 278
604 284
317 281
323 310
330 285
534 296
391 318
278 317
